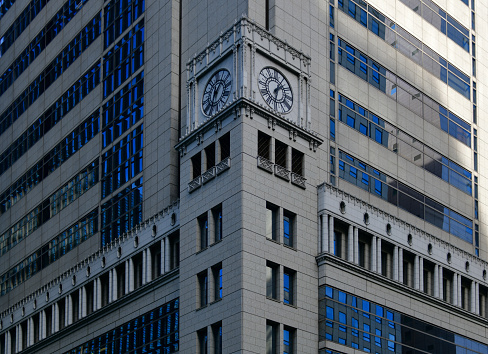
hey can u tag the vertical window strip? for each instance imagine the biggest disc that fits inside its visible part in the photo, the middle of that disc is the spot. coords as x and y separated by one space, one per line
122 213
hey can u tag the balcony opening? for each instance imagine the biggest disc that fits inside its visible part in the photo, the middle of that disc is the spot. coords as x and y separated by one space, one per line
48 313
408 268
210 156
75 305
104 283
89 289
280 153
264 145
297 162
196 163
120 274
155 251
137 261
224 143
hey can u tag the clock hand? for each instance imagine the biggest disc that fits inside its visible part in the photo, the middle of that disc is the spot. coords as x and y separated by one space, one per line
275 91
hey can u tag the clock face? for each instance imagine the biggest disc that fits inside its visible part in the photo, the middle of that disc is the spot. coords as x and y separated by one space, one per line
216 92
275 89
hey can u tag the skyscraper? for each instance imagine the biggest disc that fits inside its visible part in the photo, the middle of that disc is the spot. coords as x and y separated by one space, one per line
243 176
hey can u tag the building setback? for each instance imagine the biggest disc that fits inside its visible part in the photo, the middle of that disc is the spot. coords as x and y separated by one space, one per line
243 176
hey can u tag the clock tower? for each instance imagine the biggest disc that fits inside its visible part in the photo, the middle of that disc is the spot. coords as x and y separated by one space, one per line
247 156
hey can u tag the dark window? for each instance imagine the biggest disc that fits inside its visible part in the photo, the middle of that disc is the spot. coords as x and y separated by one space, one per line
203 288
217 278
280 153
272 337
196 162
289 228
272 271
210 156
264 145
288 340
224 146
217 219
289 285
217 337
297 162
272 218
203 230
202 341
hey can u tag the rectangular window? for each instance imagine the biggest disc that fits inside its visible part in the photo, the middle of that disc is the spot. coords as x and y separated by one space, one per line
203 230
217 278
224 143
202 341
264 145
297 162
280 153
272 221
288 340
337 244
289 228
289 281
203 288
217 219
217 337
196 163
272 337
272 270
210 156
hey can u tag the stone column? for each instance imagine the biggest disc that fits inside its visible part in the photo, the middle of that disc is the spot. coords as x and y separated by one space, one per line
55 322
472 297
416 278
477 298
421 274
81 301
455 290
163 270
167 254
18 342
460 289
350 243
148 265
378 255
42 325
395 263
374 242
436 281
114 284
144 266
127 276
356 244
441 283
131 275
8 342
331 234
324 233
110 285
400 265
30 332
67 311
